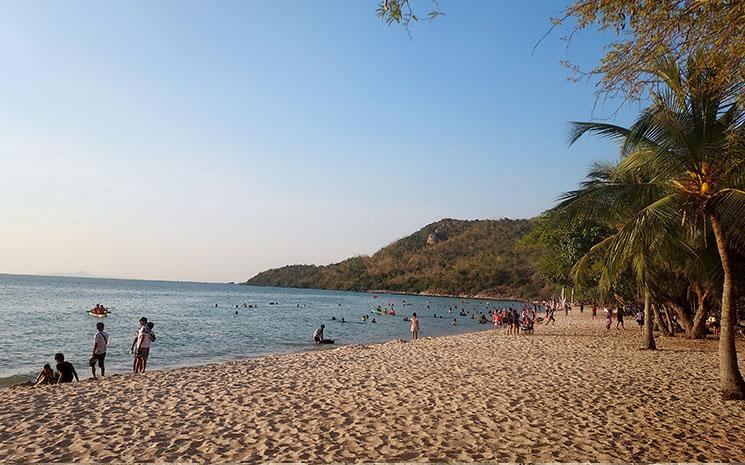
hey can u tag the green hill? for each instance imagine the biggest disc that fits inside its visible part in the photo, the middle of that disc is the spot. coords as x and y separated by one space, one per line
450 257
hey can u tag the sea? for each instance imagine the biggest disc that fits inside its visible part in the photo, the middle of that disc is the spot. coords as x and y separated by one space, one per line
200 323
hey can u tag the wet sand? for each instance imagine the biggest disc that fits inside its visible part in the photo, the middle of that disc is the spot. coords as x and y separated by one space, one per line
574 392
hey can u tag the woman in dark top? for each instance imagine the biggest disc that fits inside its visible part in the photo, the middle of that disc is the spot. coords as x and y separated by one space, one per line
65 370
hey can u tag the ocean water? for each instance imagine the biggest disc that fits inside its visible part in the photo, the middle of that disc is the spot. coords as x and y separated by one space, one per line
196 323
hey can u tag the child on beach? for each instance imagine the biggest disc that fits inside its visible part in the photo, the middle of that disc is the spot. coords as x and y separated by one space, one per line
640 318
414 326
46 376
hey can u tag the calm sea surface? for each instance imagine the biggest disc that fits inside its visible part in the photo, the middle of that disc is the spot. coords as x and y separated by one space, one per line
40 316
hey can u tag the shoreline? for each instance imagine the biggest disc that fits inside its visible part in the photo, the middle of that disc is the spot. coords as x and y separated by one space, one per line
573 392
448 296
383 291
313 348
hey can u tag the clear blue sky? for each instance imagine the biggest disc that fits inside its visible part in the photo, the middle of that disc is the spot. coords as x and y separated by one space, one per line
211 140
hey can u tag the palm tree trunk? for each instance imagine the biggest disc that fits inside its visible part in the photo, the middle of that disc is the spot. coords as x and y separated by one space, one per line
669 320
648 323
732 384
698 330
660 322
683 317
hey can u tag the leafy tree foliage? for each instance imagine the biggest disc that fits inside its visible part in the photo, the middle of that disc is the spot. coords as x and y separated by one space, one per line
453 257
681 178
642 31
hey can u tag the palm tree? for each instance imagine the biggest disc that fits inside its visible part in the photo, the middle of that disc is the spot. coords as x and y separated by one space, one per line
626 202
681 173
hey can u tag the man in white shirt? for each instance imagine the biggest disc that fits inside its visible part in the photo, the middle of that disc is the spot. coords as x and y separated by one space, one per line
141 346
100 342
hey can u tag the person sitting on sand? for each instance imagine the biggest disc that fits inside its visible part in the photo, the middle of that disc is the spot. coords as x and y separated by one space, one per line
65 370
318 335
46 376
740 327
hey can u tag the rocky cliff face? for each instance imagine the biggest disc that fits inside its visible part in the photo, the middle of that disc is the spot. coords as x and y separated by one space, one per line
436 237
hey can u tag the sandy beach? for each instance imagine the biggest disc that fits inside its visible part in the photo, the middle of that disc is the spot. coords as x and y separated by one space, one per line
573 392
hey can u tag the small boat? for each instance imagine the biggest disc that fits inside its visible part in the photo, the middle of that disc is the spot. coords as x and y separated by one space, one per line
99 315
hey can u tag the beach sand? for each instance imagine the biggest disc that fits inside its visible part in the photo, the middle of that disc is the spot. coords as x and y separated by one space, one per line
573 392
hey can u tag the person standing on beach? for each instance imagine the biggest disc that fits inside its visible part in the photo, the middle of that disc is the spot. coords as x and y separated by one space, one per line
141 346
619 317
150 326
608 318
594 311
100 342
640 319
515 322
414 327
65 370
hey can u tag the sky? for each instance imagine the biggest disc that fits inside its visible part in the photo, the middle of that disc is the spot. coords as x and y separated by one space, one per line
208 141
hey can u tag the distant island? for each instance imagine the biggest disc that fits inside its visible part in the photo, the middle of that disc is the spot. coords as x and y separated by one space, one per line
478 258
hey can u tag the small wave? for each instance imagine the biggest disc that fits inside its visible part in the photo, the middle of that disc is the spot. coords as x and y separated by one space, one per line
15 379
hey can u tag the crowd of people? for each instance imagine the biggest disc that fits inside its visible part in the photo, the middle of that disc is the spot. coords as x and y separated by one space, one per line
513 321
65 372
